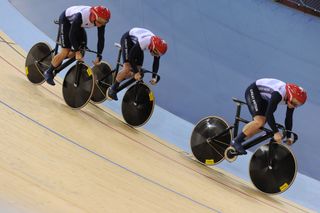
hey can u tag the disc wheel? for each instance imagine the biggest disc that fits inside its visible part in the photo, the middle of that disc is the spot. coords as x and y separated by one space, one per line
137 104
205 149
77 96
273 168
38 60
102 70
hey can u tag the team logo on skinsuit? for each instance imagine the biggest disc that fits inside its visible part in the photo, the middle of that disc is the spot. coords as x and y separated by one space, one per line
255 105
126 49
62 36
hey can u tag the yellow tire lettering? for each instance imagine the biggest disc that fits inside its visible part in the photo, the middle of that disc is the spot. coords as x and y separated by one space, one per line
89 72
209 161
151 97
284 187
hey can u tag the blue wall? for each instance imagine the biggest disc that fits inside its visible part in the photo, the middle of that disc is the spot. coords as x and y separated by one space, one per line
216 49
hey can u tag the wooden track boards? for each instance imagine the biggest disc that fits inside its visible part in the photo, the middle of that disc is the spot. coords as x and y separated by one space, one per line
55 159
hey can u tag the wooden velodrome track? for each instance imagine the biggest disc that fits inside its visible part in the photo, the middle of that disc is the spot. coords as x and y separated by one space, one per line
54 159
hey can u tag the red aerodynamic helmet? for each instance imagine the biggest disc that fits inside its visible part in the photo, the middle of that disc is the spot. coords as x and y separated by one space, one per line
102 12
294 91
158 45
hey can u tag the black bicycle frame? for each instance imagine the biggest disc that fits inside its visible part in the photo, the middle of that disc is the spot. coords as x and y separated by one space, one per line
116 70
56 48
132 80
268 133
55 51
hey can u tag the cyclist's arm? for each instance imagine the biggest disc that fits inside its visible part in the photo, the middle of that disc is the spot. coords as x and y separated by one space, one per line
272 107
155 65
100 44
288 120
133 53
75 31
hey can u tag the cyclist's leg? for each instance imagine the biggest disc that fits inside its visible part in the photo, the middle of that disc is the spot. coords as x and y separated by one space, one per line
64 40
257 107
126 45
254 126
83 40
57 59
65 48
71 54
257 110
138 75
124 73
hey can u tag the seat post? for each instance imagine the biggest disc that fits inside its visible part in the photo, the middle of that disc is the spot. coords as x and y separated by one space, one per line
236 120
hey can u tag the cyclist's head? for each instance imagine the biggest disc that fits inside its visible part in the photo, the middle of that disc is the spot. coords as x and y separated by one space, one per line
296 95
102 15
157 46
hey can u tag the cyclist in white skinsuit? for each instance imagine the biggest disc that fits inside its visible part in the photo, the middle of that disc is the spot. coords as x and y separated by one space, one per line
72 22
263 98
133 44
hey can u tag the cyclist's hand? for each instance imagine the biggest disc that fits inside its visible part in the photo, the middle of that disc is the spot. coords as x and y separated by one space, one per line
289 141
96 61
79 56
153 81
138 76
277 137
